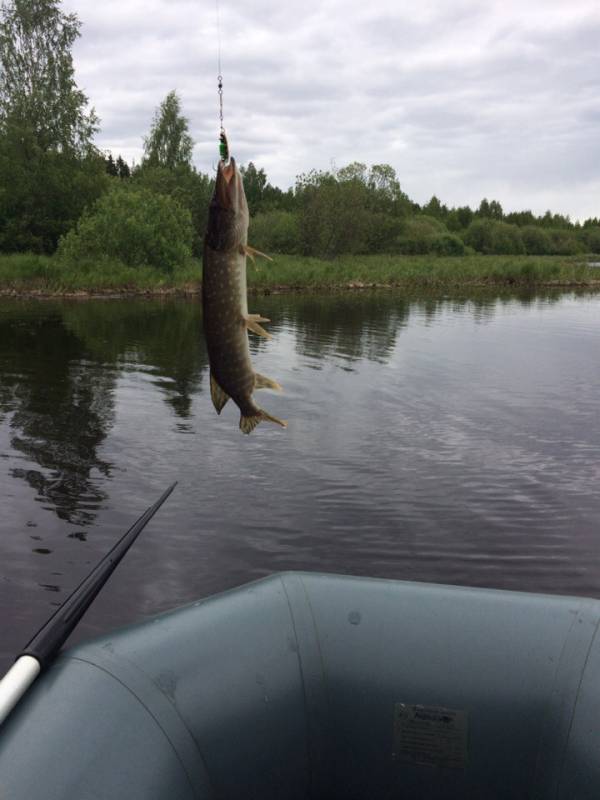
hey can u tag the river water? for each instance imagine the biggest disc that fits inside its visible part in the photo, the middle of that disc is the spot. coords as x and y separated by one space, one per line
445 439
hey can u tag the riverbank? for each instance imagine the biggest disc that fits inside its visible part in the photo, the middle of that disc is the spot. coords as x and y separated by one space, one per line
42 276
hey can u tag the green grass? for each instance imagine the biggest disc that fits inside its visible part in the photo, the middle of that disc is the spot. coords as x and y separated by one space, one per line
44 275
31 274
421 272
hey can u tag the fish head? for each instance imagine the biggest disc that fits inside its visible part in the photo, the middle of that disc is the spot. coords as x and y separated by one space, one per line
228 215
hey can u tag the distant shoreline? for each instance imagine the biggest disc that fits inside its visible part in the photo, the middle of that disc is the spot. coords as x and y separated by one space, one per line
196 291
30 276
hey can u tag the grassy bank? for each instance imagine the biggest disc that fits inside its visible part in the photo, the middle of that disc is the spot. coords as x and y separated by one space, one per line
44 275
38 275
429 272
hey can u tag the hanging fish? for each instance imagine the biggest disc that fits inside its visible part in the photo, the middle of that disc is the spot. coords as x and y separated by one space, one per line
225 301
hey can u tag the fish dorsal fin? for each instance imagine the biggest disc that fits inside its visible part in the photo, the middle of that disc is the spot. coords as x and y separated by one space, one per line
262 382
247 424
217 395
251 321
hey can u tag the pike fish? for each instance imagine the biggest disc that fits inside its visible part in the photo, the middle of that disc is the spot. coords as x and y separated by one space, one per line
225 302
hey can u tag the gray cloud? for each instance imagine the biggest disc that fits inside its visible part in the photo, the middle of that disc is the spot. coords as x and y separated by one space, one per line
463 99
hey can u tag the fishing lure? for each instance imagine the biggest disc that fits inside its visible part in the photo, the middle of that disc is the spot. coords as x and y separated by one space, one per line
223 147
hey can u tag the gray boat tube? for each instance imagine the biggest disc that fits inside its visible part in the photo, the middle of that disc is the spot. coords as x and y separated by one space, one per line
319 686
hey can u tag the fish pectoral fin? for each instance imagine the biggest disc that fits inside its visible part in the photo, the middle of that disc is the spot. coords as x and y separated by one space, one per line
257 318
247 424
217 395
262 382
247 251
252 325
252 251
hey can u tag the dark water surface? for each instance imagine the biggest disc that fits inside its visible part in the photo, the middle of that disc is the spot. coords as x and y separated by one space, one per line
450 440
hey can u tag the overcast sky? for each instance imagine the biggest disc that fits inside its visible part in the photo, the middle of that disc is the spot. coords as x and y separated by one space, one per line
464 98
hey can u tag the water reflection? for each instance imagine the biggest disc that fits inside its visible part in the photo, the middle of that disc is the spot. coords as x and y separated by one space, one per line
59 367
348 326
357 326
61 409
165 337
452 439
60 364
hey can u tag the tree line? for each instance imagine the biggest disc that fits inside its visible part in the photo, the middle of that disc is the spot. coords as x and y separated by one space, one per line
58 192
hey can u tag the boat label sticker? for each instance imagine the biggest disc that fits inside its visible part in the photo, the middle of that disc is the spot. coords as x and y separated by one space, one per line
430 735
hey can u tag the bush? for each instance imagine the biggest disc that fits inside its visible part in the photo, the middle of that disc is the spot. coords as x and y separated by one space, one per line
419 234
382 232
591 238
536 241
565 242
332 215
506 239
492 237
446 244
275 232
479 235
137 227
191 189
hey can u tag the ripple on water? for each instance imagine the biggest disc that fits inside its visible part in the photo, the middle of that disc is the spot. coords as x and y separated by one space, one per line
434 439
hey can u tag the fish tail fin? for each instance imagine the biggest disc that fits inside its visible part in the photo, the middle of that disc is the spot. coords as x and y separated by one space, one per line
262 382
217 395
247 424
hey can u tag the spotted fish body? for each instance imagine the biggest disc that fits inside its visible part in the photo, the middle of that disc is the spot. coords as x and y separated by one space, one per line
225 302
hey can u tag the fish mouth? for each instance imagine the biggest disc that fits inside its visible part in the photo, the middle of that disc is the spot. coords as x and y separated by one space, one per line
228 186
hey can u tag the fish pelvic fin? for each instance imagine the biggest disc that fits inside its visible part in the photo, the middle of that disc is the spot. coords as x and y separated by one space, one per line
262 382
251 252
247 424
217 395
251 321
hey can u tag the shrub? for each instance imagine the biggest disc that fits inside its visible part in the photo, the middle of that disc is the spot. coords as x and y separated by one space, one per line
275 232
446 244
591 238
136 227
536 240
506 239
479 235
565 242
492 237
382 232
418 235
332 214
191 189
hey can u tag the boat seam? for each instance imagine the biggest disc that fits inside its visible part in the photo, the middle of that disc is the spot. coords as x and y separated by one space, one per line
572 720
160 726
309 756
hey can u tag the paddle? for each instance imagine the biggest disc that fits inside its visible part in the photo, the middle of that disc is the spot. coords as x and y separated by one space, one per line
46 643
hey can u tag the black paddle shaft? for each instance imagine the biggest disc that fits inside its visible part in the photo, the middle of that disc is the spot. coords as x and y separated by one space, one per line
52 635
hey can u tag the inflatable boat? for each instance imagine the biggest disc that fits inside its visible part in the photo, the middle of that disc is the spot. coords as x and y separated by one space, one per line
323 687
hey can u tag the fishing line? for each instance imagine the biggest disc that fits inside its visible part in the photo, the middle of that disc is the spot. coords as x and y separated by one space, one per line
223 146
